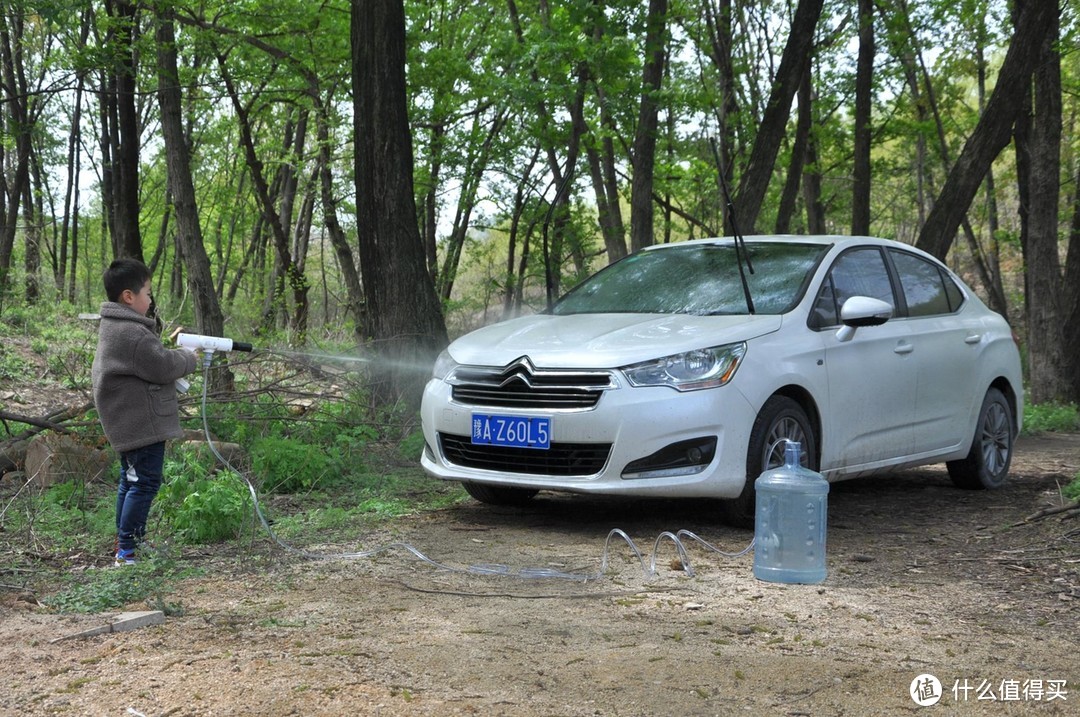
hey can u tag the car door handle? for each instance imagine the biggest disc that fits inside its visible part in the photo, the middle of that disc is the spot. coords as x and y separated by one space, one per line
972 338
904 348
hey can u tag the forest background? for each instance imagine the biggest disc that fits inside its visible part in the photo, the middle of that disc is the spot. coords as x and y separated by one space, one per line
387 174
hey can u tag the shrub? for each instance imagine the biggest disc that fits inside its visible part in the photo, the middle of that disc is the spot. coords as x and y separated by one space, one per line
288 466
1043 417
205 510
198 507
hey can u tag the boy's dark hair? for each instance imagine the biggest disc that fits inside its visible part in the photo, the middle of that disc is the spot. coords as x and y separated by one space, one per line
124 274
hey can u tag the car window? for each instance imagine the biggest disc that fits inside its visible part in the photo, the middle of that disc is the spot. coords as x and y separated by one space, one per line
925 285
701 279
859 272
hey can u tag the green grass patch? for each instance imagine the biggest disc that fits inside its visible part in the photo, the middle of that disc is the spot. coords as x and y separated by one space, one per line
148 581
63 518
1051 417
1072 490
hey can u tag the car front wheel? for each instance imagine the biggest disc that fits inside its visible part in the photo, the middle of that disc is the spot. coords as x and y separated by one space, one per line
986 465
499 494
780 420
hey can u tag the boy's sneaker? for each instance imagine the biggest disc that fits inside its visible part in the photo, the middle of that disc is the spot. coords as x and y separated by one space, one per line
125 557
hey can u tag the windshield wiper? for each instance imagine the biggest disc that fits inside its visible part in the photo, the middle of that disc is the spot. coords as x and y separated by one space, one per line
741 254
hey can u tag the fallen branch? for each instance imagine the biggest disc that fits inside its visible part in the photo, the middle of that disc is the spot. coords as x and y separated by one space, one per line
52 422
1070 509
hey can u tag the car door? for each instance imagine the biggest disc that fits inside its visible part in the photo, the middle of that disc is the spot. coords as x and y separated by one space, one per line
871 404
946 347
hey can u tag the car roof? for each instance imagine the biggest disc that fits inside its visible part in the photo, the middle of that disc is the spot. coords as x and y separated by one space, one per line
839 241
820 239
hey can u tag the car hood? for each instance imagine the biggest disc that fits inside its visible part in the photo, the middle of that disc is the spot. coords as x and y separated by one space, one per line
602 340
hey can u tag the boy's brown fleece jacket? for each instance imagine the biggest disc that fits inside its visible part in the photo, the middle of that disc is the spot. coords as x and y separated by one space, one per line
134 379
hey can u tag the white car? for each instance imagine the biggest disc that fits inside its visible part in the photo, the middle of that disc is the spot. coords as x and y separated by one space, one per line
681 371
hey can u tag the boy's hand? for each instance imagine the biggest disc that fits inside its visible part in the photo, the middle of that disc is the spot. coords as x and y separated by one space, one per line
174 334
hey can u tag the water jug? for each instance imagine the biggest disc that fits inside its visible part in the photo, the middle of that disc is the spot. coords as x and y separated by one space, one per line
791 504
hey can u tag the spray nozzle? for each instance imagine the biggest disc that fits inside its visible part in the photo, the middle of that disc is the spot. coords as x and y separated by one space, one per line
210 344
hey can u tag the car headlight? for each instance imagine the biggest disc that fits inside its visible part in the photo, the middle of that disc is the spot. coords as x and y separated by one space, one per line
690 371
444 364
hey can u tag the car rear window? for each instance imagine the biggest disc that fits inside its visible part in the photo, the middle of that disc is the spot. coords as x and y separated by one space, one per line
699 279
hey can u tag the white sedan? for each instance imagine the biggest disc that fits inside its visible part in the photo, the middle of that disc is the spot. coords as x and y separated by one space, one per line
682 370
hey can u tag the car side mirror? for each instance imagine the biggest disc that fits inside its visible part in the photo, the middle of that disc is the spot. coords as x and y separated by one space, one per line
859 311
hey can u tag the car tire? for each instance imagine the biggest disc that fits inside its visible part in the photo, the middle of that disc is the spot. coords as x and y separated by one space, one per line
781 419
499 494
986 465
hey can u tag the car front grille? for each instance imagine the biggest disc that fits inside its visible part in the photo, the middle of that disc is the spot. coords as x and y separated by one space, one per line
562 459
520 385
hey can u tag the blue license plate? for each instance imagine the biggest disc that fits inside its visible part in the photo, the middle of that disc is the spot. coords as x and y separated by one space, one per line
513 431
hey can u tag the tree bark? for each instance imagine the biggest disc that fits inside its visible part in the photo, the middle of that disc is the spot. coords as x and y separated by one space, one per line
1038 144
718 25
755 179
815 210
126 138
1071 298
601 159
864 89
800 152
644 151
993 131
16 99
209 318
406 319
342 250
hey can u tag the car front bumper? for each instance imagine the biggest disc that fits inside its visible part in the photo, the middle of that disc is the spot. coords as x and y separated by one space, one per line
592 448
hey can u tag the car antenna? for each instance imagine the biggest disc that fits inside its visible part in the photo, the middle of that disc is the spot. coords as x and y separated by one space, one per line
741 254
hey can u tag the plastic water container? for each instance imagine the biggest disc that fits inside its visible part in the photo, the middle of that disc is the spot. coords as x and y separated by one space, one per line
791 504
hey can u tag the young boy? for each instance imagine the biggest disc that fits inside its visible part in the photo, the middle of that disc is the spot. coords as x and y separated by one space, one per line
134 379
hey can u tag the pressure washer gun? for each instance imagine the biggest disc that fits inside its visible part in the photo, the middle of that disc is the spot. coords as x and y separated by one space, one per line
208 345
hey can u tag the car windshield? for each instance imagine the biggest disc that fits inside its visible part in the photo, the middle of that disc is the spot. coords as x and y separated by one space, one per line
701 279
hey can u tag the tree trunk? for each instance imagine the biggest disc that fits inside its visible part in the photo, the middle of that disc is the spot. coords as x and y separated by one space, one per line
511 289
1039 142
601 159
644 151
71 196
800 150
990 258
993 131
1071 299
864 90
342 250
406 319
208 315
431 199
295 278
32 234
126 139
16 99
475 165
755 180
815 211
718 24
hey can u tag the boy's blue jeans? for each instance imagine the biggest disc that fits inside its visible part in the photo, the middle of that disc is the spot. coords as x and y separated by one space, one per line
140 479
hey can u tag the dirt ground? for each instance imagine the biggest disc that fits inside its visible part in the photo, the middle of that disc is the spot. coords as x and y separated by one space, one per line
923 579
